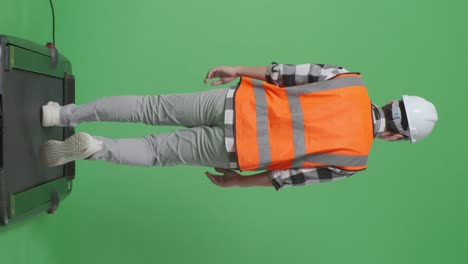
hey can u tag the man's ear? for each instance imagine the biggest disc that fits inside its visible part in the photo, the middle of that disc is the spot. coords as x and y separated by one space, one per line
395 136
391 135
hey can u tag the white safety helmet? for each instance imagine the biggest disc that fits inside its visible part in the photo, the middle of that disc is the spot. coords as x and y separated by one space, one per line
421 115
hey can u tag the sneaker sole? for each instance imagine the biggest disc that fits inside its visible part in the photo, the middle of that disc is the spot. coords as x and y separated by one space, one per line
78 146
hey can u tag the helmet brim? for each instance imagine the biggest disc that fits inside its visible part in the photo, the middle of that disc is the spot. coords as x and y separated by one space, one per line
409 118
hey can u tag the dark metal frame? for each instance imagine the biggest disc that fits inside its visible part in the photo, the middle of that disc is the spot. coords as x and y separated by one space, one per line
16 53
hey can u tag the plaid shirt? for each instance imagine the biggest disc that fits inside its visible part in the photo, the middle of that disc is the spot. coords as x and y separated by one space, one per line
290 75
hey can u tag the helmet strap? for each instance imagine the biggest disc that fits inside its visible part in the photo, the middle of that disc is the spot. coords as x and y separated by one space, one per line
396 118
379 117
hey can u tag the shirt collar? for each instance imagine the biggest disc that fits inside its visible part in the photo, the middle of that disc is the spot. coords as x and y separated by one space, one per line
378 120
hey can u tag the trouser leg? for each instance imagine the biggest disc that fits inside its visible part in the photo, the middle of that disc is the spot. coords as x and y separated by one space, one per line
198 146
189 109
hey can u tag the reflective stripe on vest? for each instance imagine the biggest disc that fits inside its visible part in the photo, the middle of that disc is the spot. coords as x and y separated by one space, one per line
317 124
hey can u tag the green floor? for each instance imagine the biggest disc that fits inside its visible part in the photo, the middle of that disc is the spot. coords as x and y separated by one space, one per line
408 207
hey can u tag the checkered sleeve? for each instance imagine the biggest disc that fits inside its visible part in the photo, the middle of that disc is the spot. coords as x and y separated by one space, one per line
296 74
300 177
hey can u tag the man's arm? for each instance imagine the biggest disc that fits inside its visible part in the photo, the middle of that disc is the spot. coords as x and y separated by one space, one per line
278 178
228 74
259 179
278 74
258 72
230 178
286 75
306 176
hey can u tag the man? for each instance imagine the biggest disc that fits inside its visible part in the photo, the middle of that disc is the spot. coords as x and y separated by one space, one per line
299 124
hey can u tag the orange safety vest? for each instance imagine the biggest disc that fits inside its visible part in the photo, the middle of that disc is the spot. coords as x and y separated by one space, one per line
327 123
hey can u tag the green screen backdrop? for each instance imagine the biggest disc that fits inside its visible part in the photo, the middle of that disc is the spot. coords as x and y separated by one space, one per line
409 206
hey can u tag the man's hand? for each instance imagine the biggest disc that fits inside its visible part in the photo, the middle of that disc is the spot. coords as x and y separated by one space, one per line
226 74
229 178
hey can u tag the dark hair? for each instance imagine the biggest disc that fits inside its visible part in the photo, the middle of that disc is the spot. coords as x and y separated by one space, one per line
387 109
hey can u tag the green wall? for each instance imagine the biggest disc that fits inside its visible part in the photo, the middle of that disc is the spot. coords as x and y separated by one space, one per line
408 207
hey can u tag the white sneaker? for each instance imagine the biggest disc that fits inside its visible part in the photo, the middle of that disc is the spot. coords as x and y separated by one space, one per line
79 146
51 114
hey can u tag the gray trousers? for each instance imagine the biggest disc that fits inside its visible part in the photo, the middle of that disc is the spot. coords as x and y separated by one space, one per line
201 143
